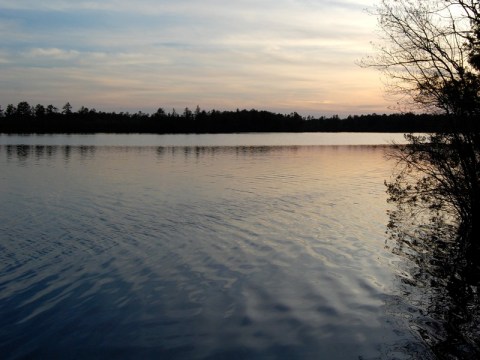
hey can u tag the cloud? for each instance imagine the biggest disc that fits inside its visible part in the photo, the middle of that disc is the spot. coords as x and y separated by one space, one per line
284 54
53 53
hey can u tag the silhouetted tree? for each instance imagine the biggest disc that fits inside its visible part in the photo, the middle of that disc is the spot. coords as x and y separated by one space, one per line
160 113
24 109
429 53
83 110
439 285
197 112
39 111
10 110
187 114
51 109
67 109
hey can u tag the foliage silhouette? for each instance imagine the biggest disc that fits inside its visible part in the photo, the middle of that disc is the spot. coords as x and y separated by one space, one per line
430 53
440 285
24 118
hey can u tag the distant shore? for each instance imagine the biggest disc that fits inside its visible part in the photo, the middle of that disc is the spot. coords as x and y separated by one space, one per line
49 120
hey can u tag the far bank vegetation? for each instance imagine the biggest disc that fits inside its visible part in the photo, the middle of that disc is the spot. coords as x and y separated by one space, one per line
24 118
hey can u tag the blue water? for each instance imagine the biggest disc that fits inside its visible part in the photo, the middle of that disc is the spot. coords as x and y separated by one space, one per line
205 252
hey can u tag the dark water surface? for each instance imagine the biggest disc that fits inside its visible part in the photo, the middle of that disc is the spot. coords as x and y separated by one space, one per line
207 252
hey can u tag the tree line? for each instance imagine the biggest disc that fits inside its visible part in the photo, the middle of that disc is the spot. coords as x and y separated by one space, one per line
24 118
429 50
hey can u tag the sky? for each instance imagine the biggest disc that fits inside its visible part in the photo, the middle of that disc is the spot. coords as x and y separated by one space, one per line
122 55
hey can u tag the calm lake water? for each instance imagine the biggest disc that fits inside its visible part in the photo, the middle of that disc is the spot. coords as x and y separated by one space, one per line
198 247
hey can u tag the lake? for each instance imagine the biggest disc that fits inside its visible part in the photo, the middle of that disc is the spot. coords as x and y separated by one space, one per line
252 246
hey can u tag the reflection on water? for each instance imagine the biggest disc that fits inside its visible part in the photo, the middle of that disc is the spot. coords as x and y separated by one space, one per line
191 140
39 152
197 253
24 152
438 286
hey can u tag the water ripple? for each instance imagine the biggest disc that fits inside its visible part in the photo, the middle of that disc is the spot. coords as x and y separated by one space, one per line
199 254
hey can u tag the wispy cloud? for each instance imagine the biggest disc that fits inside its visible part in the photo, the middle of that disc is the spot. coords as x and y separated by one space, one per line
52 53
283 55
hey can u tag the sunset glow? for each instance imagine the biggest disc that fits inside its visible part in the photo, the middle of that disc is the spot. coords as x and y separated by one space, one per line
116 55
